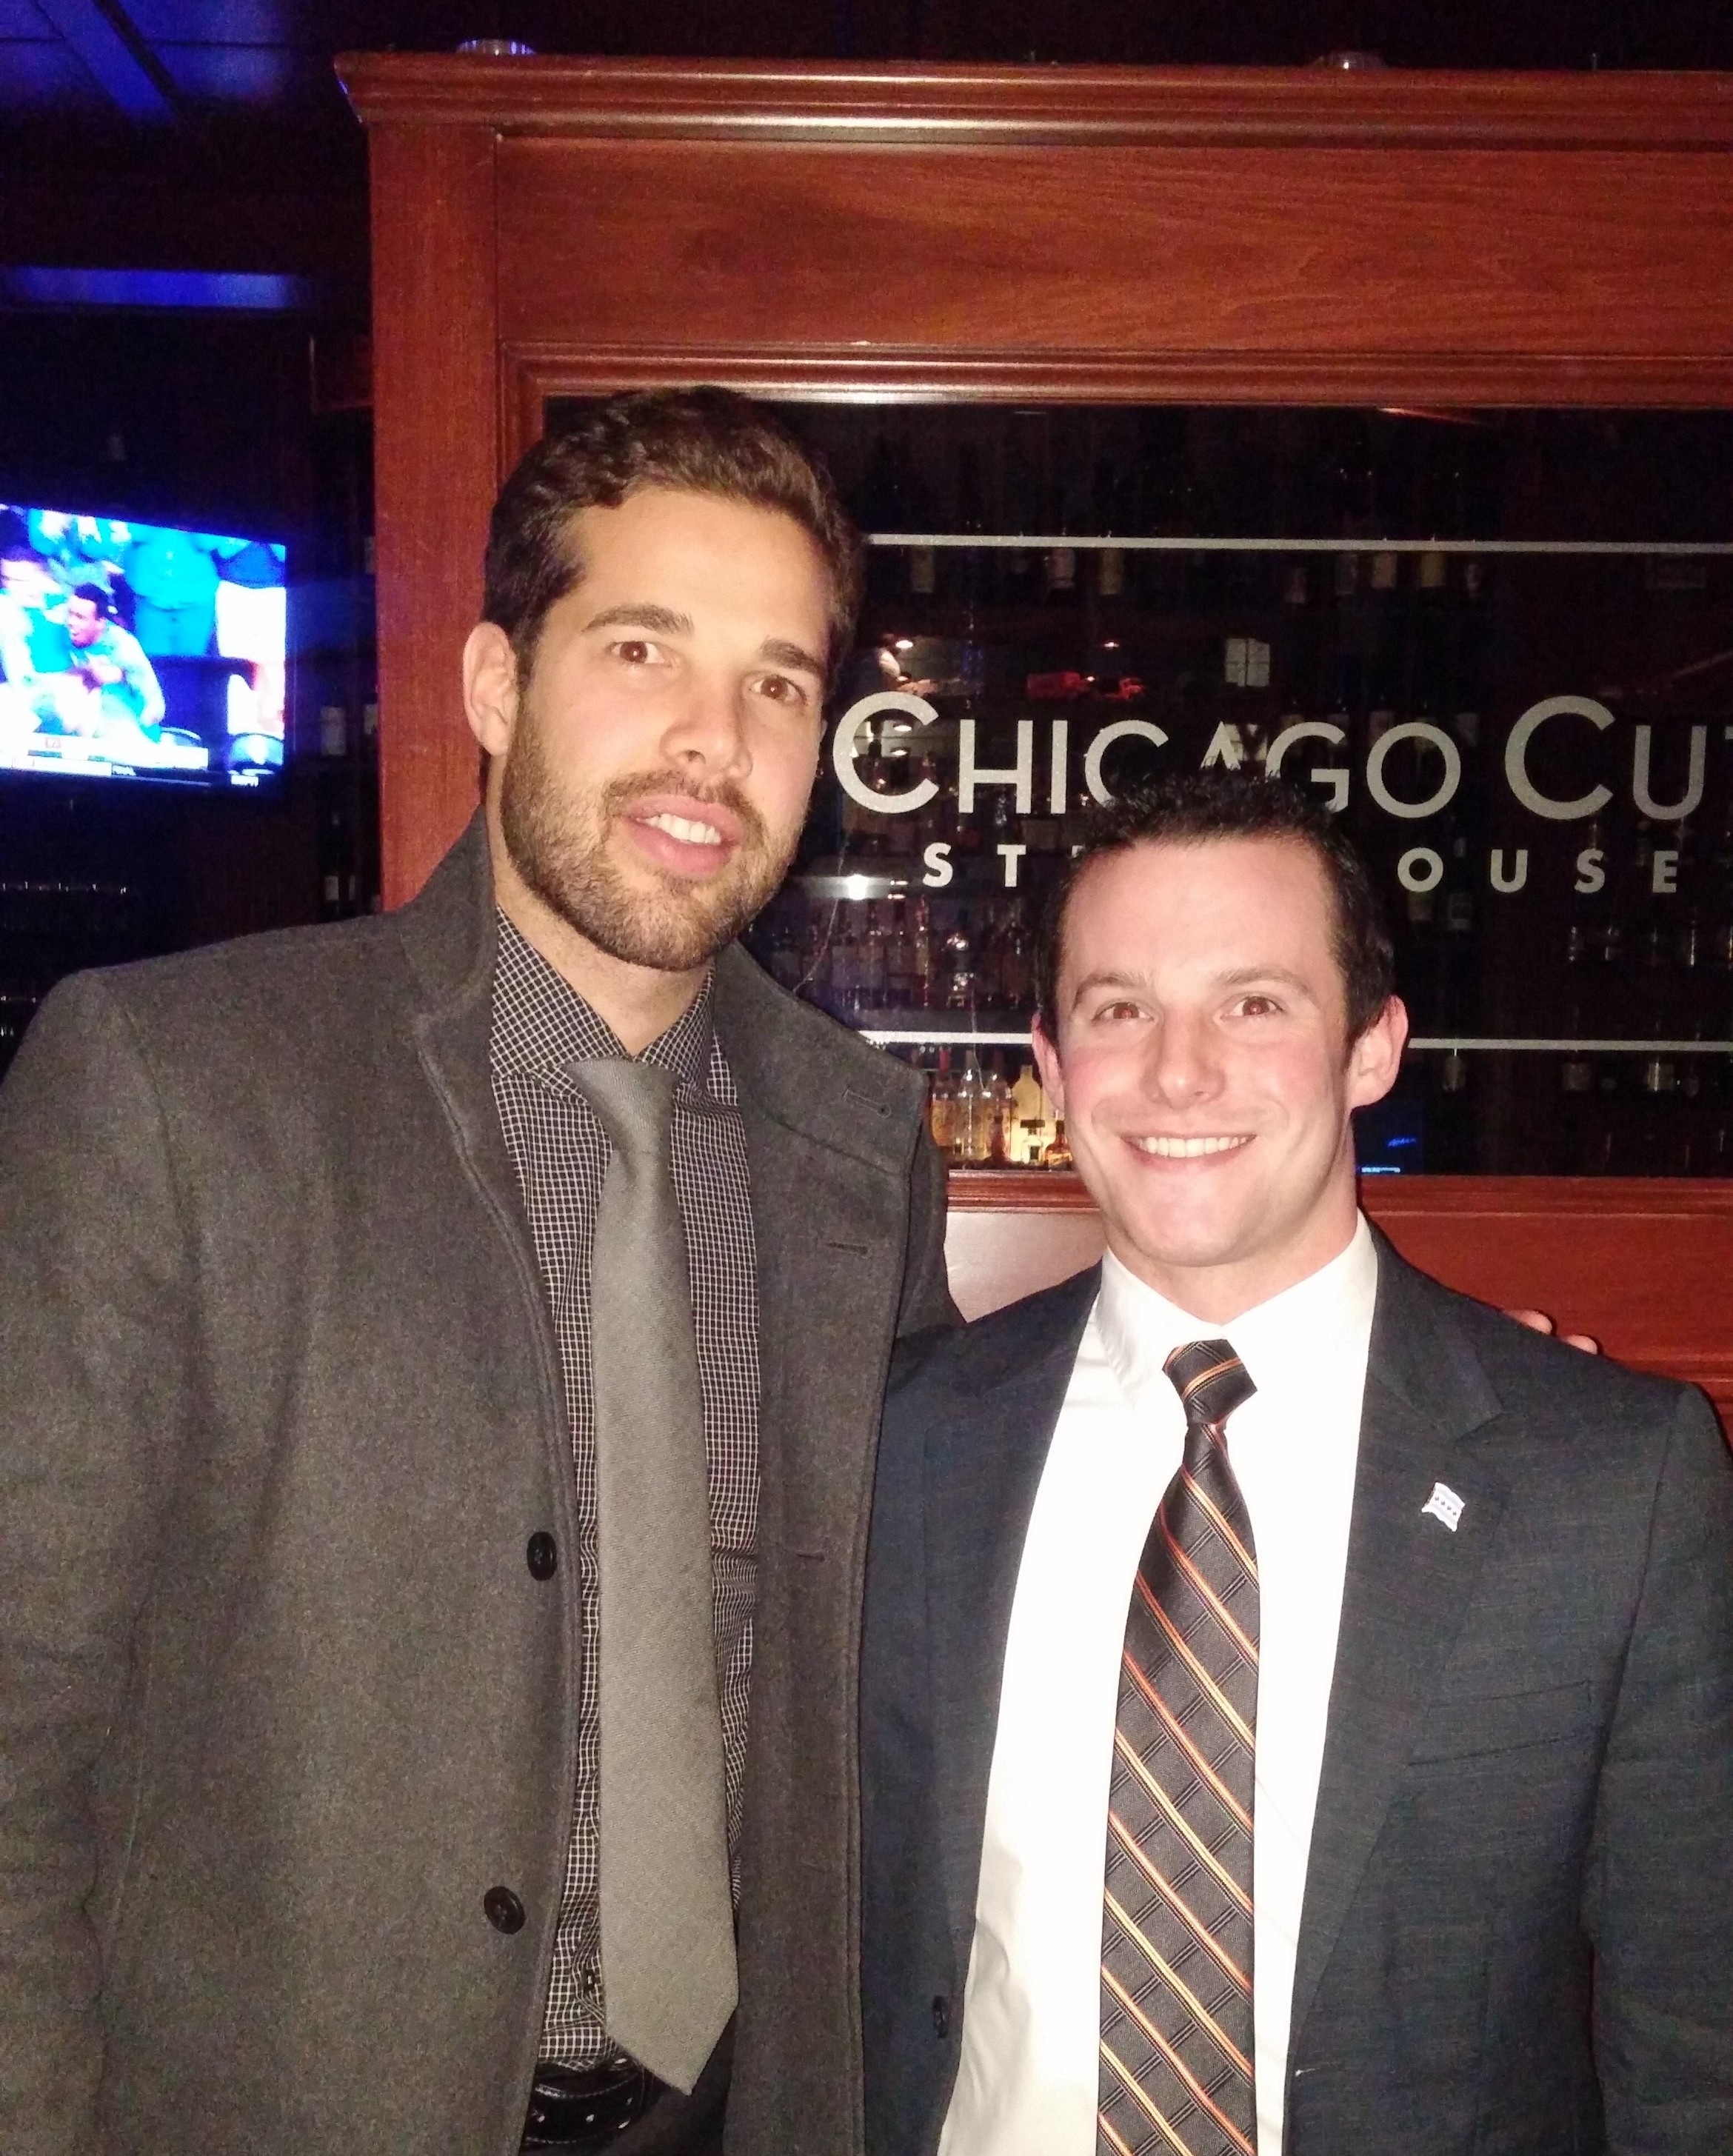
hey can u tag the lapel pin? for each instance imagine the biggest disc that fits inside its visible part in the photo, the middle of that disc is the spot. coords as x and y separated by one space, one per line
1444 1504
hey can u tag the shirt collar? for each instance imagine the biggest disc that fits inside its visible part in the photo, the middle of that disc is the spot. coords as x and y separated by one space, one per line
542 1025
1284 1337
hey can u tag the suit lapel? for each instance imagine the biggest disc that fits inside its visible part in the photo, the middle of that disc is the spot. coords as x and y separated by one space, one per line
984 1462
1407 1584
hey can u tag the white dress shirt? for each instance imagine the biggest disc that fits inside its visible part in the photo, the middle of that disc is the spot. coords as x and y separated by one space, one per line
1027 2078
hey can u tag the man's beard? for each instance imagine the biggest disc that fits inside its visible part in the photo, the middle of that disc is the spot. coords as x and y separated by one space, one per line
558 845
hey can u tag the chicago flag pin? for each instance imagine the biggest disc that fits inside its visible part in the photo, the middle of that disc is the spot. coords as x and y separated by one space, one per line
1444 1504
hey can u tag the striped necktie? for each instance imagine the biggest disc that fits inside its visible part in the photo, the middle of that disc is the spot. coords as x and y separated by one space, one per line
1177 2033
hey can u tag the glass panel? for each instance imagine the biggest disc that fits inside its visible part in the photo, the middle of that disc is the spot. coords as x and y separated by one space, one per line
1500 644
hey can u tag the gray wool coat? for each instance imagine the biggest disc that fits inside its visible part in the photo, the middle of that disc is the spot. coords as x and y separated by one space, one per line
280 1701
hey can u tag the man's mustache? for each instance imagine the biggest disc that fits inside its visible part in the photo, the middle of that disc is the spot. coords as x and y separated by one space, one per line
619 793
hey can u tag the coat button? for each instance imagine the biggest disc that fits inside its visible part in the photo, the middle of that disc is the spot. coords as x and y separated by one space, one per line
941 2016
505 1912
542 1555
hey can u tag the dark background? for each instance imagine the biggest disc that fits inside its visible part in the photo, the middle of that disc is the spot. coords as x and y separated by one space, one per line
211 134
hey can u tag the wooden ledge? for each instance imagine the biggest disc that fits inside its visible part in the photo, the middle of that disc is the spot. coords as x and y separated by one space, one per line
1643 1265
1215 107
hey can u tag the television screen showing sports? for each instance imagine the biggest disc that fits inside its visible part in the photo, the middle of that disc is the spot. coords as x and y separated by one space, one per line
133 651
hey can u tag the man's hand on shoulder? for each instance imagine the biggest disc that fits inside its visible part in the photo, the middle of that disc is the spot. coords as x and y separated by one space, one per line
1537 1320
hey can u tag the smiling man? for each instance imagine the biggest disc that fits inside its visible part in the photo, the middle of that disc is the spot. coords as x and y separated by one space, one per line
1298 1702
443 1357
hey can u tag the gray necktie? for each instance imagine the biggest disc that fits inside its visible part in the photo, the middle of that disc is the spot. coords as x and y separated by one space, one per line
668 1967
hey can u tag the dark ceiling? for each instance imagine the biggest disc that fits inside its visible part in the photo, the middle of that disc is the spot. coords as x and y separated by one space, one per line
211 134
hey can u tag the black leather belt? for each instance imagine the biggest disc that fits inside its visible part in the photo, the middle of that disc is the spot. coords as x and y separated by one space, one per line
569 2109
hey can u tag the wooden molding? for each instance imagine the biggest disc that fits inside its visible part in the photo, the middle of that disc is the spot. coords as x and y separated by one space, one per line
1387 1199
1218 107
435 373
1453 380
1205 275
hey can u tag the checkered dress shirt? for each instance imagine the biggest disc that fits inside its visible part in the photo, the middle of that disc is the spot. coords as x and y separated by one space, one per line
540 1028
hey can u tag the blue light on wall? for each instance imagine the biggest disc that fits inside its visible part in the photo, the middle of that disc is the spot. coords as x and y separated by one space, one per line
211 290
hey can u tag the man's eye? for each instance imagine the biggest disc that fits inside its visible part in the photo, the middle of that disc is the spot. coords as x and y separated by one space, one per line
1117 1014
638 651
780 690
1257 1006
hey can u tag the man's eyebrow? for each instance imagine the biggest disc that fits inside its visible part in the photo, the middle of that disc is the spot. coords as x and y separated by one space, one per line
662 620
1108 980
794 656
1239 977
1243 976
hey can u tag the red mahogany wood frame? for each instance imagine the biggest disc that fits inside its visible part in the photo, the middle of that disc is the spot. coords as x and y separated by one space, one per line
550 227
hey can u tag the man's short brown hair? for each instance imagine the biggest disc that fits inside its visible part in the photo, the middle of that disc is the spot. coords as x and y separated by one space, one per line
1223 803
694 441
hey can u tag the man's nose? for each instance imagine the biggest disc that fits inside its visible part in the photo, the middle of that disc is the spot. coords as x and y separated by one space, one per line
708 732
1183 1066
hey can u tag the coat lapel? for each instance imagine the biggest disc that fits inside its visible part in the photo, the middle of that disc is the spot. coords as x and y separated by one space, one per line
984 1461
830 1131
1407 1590
448 933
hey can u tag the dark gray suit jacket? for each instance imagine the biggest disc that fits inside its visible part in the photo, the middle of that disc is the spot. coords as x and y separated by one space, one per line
279 1409
1517 1937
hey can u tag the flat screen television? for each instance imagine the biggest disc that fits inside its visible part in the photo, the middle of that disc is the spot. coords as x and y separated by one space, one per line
143 651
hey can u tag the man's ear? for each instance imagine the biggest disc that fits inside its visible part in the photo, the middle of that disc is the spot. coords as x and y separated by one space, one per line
490 686
1047 1062
1376 1058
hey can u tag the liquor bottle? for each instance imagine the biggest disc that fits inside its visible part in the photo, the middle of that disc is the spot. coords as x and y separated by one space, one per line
338 885
1694 1118
900 980
785 955
971 494
1657 1136
1606 1003
1657 1016
873 984
896 834
1450 1118
1057 1153
942 1104
1059 569
1624 939
1613 1088
938 819
865 832
958 979
975 1115
1430 635
1577 1131
924 973
1385 670
1003 1110
1028 1107
1013 960
844 971
815 966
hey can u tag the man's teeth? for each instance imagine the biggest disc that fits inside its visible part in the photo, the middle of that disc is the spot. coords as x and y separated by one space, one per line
1186 1149
689 834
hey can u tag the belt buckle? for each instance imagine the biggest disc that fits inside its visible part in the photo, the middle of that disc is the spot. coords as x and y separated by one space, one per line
572 2108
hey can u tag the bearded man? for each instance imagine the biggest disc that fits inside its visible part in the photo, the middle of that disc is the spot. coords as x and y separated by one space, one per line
442 1360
